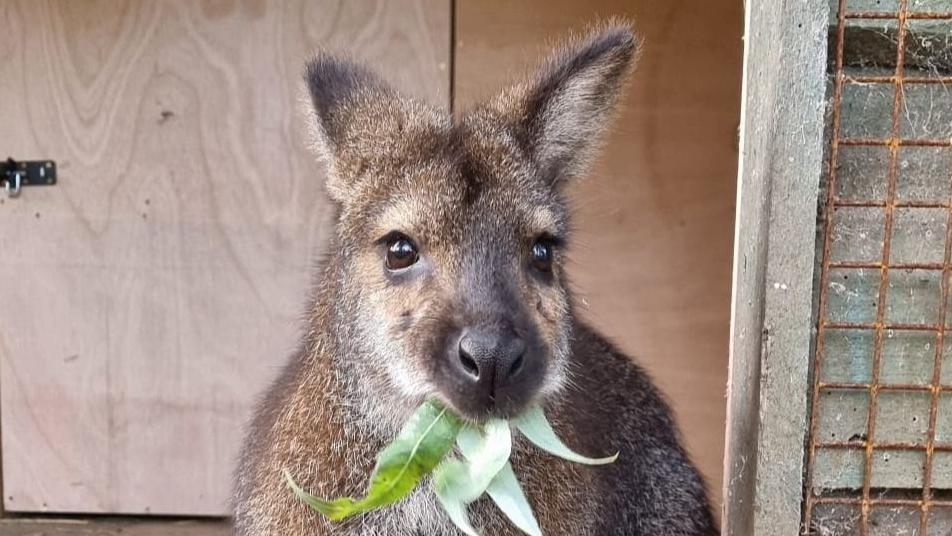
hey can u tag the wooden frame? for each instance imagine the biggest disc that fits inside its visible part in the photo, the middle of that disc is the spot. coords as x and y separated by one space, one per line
111 527
780 164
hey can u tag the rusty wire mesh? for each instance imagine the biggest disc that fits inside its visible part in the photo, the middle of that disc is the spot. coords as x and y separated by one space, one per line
880 437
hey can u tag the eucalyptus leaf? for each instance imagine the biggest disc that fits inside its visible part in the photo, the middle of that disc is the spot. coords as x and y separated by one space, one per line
534 425
458 482
421 444
486 452
486 469
336 509
506 492
453 470
422 447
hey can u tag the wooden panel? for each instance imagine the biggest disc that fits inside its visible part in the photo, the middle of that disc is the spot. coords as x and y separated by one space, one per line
156 289
652 255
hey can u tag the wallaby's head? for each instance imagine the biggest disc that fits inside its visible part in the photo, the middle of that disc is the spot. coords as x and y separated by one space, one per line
449 257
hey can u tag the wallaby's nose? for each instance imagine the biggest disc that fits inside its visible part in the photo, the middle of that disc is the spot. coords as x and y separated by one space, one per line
491 359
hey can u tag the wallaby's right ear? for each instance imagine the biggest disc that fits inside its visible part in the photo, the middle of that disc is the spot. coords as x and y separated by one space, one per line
343 95
560 114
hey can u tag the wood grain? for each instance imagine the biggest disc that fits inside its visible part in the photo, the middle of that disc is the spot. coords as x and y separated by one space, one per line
112 527
155 290
652 251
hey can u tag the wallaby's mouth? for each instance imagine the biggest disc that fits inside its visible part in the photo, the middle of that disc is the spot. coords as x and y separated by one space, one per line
490 372
477 411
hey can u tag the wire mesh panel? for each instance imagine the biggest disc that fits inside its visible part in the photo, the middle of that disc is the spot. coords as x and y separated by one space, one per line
880 437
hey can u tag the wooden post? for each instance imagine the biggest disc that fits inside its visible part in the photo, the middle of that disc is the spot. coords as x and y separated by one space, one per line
780 164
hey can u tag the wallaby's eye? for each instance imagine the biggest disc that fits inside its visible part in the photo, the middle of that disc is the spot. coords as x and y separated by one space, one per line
542 254
401 253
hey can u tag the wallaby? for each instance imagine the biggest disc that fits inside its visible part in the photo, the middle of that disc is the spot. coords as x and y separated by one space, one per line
446 279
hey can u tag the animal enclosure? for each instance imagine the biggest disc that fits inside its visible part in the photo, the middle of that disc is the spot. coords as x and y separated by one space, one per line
880 430
854 429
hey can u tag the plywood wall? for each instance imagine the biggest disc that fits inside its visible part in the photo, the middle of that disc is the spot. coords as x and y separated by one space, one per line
154 291
652 255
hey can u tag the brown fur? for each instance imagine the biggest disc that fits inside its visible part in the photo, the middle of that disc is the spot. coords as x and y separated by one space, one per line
474 194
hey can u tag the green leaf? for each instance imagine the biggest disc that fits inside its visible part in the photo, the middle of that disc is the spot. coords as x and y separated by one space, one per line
485 469
421 444
336 509
508 496
449 471
457 483
490 471
486 452
537 429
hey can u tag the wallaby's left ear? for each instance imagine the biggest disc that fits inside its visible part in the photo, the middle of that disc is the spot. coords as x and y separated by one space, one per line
561 113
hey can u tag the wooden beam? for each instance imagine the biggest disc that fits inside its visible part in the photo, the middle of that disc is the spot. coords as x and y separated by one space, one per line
112 527
780 165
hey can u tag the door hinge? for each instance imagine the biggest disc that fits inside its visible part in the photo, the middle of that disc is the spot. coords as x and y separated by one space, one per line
14 174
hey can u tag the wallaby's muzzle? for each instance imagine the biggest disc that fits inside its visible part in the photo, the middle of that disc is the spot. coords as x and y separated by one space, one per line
491 370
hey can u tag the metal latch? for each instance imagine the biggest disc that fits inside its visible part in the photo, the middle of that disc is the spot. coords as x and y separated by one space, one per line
15 175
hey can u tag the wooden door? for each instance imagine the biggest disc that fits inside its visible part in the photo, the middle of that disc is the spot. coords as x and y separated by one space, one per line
148 296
